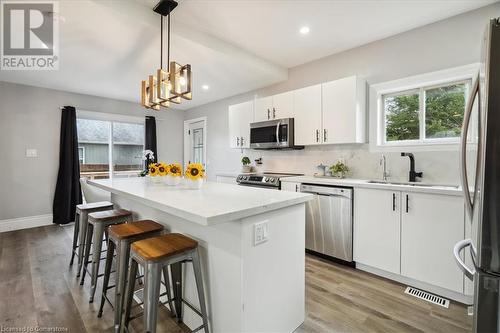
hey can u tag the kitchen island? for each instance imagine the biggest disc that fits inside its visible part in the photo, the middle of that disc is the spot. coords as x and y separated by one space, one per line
252 245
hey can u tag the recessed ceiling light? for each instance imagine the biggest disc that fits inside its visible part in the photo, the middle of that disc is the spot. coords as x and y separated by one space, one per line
205 87
304 30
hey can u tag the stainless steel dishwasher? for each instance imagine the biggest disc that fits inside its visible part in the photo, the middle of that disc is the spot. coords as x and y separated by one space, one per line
329 221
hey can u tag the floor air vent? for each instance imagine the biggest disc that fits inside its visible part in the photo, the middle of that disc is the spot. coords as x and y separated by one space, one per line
427 297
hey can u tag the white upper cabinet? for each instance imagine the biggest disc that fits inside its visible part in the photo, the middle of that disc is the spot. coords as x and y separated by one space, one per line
283 106
431 225
344 111
274 107
240 117
263 108
307 103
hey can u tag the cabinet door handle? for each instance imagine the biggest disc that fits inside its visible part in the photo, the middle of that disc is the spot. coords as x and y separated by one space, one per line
296 187
238 141
268 114
324 135
242 141
317 135
274 113
394 202
407 200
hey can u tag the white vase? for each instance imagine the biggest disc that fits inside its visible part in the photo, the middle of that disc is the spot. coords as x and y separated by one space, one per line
172 180
194 184
246 169
154 180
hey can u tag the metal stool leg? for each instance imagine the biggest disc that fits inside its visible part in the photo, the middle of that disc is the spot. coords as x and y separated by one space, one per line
88 245
96 257
129 294
107 273
176 271
166 277
152 282
75 237
122 262
82 241
199 286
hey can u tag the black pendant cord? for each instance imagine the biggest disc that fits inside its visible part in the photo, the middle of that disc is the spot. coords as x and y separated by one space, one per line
161 43
168 39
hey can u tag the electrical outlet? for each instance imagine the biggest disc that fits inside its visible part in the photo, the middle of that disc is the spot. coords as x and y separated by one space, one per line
30 152
261 232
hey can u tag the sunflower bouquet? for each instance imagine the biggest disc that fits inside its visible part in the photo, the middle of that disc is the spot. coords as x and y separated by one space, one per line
157 170
194 174
174 174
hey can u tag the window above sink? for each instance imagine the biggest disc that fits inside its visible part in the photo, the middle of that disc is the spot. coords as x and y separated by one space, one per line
422 112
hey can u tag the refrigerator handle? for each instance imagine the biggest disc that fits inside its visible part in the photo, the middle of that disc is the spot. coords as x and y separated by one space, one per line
469 272
463 147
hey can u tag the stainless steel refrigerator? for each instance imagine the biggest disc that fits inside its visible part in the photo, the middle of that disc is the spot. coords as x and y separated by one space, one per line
480 173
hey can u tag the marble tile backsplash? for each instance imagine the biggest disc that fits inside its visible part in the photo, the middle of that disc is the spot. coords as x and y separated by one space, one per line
437 166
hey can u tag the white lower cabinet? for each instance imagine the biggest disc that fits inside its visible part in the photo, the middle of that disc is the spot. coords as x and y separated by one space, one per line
409 234
376 229
431 224
290 186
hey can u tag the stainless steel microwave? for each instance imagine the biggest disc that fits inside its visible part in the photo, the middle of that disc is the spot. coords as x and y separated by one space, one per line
272 134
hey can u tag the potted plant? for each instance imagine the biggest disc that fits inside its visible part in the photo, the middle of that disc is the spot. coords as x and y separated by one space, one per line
339 169
194 175
174 174
245 161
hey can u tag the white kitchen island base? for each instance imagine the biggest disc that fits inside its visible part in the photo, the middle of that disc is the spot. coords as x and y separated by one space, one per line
249 288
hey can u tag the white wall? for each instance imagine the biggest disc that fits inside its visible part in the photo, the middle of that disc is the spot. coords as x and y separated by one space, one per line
445 44
30 118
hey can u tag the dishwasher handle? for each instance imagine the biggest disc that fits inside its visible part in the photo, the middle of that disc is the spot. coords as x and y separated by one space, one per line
327 190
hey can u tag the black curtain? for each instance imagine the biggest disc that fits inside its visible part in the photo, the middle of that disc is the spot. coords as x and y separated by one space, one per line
150 138
68 193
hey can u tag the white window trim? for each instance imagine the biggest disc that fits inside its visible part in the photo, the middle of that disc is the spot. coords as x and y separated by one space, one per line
83 154
417 82
111 118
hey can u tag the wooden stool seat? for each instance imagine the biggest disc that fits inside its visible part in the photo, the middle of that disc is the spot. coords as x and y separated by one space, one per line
157 248
108 215
130 230
95 205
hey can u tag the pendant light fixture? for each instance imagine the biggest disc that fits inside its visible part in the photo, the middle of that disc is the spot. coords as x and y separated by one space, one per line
169 85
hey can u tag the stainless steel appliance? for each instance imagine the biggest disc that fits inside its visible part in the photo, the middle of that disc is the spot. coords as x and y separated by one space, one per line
329 221
273 134
482 193
264 180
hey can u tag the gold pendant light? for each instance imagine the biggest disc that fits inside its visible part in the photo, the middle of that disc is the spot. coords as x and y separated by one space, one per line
171 85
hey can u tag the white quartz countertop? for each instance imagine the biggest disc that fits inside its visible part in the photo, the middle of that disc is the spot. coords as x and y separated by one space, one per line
213 203
363 183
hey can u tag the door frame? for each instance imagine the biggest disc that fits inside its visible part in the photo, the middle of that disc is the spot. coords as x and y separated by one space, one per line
187 140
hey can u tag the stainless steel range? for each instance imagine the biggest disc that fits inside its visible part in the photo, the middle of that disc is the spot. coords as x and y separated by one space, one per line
264 180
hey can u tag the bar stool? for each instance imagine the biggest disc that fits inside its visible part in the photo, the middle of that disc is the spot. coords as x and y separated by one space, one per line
155 255
98 223
120 238
81 221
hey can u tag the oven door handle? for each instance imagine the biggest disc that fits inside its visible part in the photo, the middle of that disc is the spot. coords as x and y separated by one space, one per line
278 132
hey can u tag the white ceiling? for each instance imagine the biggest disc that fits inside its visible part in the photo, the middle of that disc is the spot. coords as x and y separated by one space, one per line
108 46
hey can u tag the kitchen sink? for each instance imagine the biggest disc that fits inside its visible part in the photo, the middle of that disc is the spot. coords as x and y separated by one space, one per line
411 184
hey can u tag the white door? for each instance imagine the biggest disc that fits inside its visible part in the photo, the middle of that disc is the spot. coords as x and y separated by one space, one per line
339 111
263 108
376 228
239 118
195 141
283 106
307 102
431 225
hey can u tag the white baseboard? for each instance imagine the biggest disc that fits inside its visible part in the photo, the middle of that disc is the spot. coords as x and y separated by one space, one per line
458 297
25 222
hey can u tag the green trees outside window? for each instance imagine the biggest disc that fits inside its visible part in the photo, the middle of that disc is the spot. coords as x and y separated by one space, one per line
440 116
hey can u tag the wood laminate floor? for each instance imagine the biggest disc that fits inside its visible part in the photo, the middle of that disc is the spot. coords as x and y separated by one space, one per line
39 289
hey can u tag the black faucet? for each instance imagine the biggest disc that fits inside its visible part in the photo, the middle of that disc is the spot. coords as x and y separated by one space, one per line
413 174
